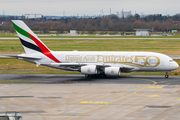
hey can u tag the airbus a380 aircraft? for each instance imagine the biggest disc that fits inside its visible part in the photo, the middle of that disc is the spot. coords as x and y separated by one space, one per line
89 63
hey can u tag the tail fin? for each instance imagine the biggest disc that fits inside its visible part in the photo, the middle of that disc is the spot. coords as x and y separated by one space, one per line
31 43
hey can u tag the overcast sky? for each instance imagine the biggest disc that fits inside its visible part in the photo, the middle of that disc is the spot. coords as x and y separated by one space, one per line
88 7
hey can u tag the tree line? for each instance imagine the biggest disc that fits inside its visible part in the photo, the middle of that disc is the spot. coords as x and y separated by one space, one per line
155 23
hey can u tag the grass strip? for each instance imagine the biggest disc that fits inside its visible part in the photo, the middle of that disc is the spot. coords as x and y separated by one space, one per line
168 47
19 82
92 36
57 72
110 36
144 73
38 72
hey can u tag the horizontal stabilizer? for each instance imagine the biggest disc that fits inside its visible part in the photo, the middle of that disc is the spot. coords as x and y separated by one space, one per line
7 55
28 57
22 56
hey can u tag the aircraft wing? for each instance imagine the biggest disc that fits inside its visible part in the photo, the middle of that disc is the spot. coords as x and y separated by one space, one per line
66 66
77 66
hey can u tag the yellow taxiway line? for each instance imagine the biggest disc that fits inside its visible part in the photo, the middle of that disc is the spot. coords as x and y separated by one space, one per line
116 99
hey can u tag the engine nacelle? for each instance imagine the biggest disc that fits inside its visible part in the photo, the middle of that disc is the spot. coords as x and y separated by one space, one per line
89 70
113 71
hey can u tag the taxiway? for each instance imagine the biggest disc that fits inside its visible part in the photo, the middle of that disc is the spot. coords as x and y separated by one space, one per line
74 97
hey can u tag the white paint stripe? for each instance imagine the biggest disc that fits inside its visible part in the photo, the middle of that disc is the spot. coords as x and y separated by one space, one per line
26 39
30 51
23 26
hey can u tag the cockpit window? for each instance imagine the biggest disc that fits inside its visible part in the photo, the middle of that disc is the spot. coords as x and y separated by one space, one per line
171 60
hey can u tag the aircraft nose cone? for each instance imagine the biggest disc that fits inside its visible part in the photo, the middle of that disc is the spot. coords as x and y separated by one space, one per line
176 65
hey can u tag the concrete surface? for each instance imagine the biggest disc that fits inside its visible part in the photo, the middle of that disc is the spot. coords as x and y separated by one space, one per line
66 97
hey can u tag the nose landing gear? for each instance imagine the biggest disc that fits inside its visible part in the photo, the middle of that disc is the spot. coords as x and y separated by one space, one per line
166 76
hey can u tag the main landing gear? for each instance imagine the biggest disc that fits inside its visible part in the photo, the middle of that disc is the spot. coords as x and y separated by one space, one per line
166 76
98 75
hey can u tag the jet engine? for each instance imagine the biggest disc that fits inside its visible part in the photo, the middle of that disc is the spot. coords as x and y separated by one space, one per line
89 70
113 71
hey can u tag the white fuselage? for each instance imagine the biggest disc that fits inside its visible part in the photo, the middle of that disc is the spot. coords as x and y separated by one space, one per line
139 61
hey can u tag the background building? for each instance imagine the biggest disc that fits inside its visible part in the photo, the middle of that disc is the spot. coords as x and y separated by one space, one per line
73 32
142 32
30 16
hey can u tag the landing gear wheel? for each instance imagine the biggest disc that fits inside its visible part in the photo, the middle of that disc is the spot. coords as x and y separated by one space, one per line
103 75
87 75
166 76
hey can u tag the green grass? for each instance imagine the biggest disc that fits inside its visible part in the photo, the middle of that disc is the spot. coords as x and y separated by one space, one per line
12 65
144 73
169 47
93 36
8 35
19 82
38 72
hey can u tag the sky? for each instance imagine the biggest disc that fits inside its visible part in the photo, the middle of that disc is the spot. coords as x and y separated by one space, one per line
88 7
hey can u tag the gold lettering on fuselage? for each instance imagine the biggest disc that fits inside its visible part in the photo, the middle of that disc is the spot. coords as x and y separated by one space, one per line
88 58
135 60
73 58
106 59
77 58
88 70
112 71
98 58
